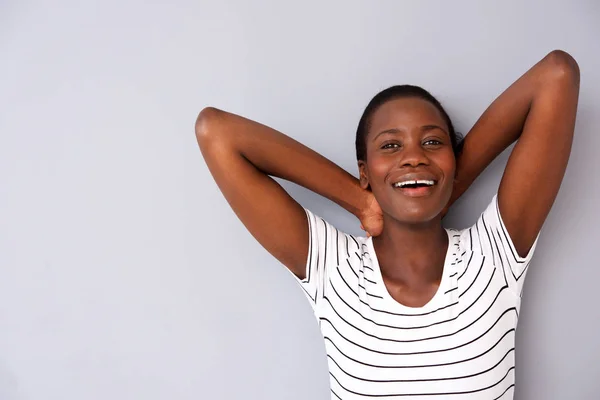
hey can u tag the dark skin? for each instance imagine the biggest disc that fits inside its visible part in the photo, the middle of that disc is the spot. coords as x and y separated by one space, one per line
538 111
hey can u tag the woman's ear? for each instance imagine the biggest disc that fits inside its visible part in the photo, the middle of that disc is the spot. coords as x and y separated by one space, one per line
363 175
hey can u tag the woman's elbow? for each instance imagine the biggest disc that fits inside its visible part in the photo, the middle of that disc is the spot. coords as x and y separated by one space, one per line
207 124
562 66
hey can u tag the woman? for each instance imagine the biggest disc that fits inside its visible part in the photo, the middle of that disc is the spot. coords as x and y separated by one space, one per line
413 309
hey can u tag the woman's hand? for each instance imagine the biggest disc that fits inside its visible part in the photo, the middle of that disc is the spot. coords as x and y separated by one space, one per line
371 217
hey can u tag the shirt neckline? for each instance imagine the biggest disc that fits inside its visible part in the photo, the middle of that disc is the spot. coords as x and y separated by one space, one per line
439 294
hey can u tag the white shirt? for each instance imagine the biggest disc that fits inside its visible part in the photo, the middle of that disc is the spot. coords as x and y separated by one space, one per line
460 345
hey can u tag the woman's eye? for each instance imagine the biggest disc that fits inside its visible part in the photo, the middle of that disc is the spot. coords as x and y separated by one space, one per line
390 146
432 142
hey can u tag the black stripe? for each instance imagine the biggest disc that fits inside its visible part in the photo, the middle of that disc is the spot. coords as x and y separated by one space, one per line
310 249
439 322
422 339
471 238
316 284
337 247
389 312
466 266
504 252
498 251
357 245
370 294
308 294
363 274
489 239
368 280
523 272
419 366
422 394
500 257
483 291
323 319
363 264
517 278
506 235
413 327
451 290
479 236
385 325
325 249
347 250
452 378
359 285
503 393
352 269
475 279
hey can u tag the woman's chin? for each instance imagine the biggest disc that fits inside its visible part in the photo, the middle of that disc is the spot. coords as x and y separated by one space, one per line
418 210
417 216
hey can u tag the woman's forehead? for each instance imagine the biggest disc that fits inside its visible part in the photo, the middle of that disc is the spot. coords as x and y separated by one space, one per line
405 114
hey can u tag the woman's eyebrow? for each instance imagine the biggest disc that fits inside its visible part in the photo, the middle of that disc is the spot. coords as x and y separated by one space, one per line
427 128
424 128
387 131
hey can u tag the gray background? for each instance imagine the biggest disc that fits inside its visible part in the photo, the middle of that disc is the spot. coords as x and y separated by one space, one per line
123 272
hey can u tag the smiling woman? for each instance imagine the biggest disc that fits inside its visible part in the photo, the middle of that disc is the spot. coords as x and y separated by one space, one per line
413 309
408 140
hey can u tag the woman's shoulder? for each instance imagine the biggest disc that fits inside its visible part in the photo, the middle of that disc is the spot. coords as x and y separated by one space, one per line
486 220
489 236
328 236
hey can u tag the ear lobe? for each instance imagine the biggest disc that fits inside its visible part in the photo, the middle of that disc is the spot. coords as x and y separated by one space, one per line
364 180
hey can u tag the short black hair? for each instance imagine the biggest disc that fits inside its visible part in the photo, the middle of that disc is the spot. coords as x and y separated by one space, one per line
395 92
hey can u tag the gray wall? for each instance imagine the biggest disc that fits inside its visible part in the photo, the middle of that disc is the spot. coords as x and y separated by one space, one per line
124 274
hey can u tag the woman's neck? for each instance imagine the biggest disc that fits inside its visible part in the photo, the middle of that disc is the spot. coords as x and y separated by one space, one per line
411 254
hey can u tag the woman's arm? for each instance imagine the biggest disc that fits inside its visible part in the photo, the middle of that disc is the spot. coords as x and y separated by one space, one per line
539 110
242 154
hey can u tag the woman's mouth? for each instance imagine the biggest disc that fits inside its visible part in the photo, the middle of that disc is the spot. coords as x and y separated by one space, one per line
415 188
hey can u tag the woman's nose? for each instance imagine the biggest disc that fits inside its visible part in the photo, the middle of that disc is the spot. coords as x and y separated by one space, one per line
414 155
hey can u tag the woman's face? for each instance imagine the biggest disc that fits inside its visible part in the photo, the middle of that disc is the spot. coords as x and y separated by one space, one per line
408 141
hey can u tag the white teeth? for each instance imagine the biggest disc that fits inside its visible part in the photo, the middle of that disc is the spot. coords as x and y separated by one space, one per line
414 182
